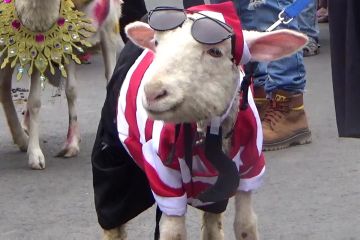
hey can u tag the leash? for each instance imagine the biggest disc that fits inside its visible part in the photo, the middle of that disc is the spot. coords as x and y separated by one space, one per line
288 13
157 227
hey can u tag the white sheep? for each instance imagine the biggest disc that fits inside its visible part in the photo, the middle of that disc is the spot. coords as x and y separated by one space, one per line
39 16
184 81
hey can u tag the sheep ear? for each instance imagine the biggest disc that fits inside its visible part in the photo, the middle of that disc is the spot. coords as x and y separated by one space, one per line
141 34
270 46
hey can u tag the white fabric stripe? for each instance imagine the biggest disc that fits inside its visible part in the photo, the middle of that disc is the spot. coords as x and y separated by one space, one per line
185 171
237 158
197 203
248 184
172 206
246 56
208 180
216 15
122 124
168 176
259 137
199 165
141 114
156 134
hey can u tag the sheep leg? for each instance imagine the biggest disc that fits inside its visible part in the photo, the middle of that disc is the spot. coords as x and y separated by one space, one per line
26 121
118 233
245 224
71 146
36 156
108 52
212 226
18 134
173 228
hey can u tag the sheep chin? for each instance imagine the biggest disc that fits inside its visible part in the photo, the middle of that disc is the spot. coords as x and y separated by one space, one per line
174 115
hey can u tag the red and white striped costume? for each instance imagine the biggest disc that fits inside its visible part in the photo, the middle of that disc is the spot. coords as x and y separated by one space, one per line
149 142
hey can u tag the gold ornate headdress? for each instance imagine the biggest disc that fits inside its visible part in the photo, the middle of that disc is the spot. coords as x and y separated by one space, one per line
42 50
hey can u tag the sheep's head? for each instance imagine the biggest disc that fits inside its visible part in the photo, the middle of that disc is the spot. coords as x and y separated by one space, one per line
190 81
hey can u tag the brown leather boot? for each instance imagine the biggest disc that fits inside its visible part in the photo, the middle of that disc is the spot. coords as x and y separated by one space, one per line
261 101
285 122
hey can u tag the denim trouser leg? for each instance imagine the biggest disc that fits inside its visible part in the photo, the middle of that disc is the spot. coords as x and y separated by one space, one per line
308 23
287 74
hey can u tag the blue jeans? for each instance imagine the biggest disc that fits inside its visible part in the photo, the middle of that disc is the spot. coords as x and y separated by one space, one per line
308 23
285 74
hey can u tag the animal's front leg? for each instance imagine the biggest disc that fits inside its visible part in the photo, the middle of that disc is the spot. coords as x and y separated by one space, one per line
173 228
118 233
212 226
18 134
71 147
36 157
109 49
245 224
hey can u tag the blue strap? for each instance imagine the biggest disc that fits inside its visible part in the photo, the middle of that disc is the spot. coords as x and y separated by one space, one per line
296 8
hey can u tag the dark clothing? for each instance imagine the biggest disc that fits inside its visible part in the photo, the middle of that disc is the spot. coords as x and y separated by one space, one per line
345 58
190 3
323 3
132 10
121 188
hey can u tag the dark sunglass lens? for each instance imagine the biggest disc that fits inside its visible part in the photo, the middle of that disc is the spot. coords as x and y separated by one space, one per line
208 31
166 19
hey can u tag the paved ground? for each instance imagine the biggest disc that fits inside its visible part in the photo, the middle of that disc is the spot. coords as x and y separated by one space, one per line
311 192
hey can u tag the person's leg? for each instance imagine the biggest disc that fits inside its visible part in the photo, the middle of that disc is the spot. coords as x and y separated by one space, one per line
250 20
322 12
285 81
308 25
345 38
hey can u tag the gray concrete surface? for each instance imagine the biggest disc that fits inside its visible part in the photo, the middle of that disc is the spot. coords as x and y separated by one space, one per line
310 192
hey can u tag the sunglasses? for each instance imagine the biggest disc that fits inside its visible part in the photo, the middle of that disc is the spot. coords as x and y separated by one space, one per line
206 30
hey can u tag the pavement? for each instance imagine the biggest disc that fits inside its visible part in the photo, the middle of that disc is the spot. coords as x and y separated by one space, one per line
310 192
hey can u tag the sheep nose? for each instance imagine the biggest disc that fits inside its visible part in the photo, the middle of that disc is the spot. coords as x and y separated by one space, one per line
154 93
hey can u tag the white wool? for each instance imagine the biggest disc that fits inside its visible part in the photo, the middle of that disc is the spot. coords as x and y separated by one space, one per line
203 85
38 15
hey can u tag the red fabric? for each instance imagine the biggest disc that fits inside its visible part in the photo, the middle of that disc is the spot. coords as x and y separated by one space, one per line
244 149
228 10
101 10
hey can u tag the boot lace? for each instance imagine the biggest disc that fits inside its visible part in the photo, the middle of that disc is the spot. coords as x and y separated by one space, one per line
275 112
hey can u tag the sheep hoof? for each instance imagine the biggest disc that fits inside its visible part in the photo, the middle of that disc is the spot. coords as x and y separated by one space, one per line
247 233
36 159
69 151
247 230
118 233
173 228
212 227
22 142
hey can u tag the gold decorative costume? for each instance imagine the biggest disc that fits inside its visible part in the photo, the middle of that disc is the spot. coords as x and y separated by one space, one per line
42 50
